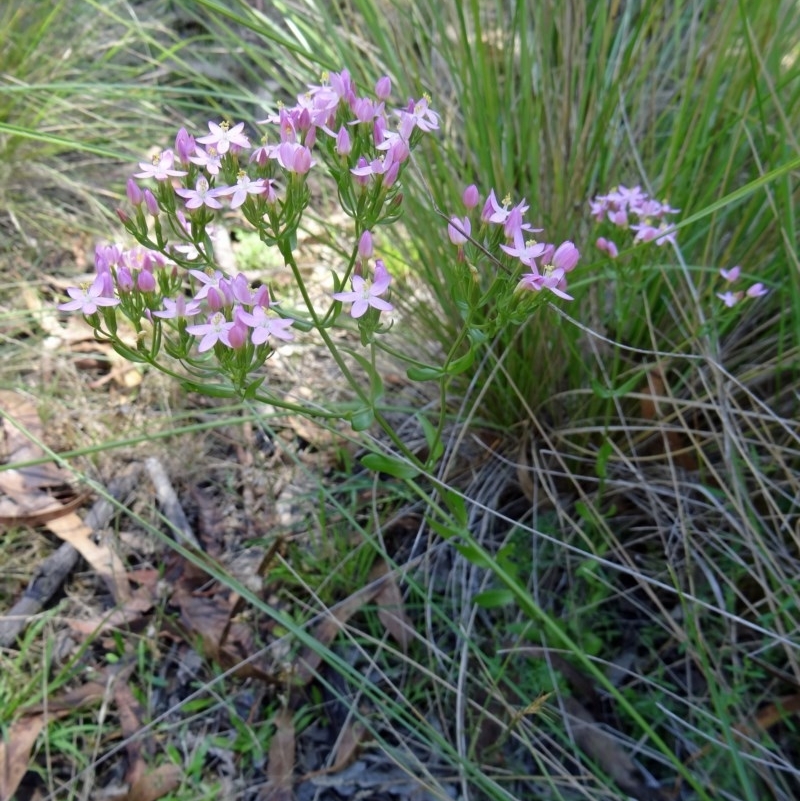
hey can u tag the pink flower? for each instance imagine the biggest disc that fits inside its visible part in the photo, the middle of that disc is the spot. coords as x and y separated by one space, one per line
88 299
202 195
160 167
494 212
418 115
367 294
553 280
180 307
459 229
244 187
608 246
209 282
729 298
526 252
294 157
222 136
209 159
264 326
757 291
214 330
731 275
645 232
618 217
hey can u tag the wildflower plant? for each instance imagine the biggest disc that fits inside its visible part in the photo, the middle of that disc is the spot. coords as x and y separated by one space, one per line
629 210
215 332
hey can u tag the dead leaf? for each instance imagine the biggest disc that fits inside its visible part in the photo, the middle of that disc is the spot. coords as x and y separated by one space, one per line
606 751
346 750
389 600
103 559
326 630
131 611
155 784
130 713
674 443
280 768
68 701
208 625
15 754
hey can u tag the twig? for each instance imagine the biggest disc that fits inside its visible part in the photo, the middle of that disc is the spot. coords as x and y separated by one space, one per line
53 571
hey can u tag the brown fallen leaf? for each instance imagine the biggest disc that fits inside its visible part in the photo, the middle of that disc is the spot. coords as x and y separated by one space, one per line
15 753
155 784
280 767
131 611
348 744
68 701
675 444
389 601
326 630
27 500
606 751
102 558
130 714
206 624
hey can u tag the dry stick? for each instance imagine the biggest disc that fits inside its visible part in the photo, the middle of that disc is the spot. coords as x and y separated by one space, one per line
54 570
170 505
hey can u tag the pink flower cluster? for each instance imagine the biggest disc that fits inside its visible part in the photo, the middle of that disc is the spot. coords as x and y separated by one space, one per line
365 148
635 210
234 313
545 264
731 298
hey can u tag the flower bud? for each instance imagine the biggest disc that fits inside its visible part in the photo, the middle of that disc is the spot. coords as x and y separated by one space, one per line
237 334
566 257
134 193
365 248
383 88
343 144
151 203
184 145
145 281
390 176
471 197
379 130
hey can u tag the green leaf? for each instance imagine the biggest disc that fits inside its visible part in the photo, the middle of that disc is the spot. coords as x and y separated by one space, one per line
253 387
455 505
443 530
461 364
389 465
616 392
362 419
424 373
605 450
432 438
473 554
491 599
210 390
